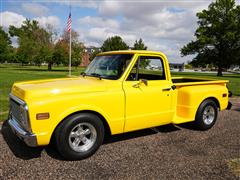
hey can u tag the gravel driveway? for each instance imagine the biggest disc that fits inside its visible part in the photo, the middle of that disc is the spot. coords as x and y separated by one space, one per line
167 152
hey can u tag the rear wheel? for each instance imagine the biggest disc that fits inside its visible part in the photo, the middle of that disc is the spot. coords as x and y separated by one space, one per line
79 136
206 115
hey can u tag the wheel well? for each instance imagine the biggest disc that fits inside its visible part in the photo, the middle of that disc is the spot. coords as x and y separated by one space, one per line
214 100
105 124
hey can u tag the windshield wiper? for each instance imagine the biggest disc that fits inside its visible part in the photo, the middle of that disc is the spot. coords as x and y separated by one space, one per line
83 74
96 75
92 74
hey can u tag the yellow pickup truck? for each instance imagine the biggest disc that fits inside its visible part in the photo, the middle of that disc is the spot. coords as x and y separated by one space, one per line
120 91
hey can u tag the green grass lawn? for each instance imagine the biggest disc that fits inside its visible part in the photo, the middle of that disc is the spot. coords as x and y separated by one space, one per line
11 74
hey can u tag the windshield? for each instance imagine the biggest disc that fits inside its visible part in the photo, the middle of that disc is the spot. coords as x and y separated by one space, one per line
108 66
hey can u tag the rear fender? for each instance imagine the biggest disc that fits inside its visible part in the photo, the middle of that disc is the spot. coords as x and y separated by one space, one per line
190 97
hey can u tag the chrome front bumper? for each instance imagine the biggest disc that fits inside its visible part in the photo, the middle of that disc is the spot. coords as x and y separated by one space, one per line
29 138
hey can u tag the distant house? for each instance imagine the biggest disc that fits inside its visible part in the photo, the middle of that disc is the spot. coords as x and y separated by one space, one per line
86 55
177 66
92 49
85 59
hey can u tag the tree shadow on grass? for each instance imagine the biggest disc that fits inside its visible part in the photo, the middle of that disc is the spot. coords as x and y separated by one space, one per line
40 70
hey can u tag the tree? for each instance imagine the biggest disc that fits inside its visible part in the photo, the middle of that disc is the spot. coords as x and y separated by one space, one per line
48 50
139 45
77 51
5 46
45 51
217 37
114 43
61 50
60 53
34 42
188 66
74 36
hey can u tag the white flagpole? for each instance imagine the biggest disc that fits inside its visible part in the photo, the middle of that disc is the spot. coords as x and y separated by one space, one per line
70 45
70 51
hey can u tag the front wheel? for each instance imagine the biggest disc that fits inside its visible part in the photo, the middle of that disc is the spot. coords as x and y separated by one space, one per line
79 136
206 115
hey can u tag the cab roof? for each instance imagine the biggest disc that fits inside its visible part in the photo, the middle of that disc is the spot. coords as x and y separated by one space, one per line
131 52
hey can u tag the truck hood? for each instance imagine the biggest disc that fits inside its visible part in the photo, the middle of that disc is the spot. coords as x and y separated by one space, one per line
55 87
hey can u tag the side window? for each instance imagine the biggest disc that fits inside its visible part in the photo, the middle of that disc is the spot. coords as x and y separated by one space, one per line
133 74
149 68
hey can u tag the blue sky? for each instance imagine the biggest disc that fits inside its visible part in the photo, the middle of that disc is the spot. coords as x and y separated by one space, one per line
46 9
163 25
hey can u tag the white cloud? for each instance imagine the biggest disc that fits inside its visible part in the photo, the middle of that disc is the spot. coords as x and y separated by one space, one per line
139 8
35 9
162 31
98 21
96 36
11 18
14 41
79 3
110 8
54 21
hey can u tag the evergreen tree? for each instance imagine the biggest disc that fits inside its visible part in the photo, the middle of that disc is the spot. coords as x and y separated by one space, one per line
114 43
139 45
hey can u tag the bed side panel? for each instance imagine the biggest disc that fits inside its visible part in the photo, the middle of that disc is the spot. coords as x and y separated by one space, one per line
190 97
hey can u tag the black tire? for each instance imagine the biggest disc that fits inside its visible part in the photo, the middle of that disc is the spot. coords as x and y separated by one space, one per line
64 142
202 121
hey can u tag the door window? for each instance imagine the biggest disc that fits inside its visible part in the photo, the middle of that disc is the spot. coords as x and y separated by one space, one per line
149 68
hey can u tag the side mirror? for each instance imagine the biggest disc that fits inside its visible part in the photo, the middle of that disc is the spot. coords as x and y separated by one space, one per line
144 81
141 81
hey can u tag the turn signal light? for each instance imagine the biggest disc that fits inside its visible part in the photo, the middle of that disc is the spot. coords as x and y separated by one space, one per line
42 116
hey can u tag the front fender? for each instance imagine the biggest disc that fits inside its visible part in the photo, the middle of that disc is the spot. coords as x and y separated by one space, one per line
116 126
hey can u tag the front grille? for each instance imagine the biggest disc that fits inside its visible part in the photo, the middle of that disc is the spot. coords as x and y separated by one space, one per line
16 111
19 112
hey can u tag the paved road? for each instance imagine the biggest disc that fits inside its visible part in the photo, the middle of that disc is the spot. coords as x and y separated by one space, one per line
167 152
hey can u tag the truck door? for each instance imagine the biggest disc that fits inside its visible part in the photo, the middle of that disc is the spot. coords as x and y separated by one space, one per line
148 94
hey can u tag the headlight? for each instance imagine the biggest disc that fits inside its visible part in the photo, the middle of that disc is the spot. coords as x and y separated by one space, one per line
24 117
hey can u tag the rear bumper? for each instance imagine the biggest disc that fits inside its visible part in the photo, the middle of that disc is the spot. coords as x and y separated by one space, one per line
29 138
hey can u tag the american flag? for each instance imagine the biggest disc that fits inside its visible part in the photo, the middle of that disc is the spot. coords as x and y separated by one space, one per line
69 23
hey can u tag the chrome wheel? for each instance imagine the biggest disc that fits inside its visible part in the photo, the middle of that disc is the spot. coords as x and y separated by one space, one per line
82 137
208 115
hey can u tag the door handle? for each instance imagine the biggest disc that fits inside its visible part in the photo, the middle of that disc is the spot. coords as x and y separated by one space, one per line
135 85
166 89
